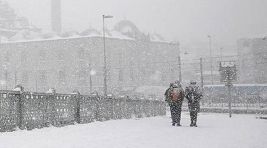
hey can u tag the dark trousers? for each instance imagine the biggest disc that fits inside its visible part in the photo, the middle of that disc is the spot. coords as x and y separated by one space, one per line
176 113
193 117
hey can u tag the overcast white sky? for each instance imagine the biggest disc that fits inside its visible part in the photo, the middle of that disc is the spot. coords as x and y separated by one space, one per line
177 20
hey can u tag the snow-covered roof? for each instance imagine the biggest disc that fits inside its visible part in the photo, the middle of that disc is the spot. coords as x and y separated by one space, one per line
222 85
117 36
8 30
156 38
126 30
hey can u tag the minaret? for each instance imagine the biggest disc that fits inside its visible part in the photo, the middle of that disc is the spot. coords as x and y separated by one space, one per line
56 16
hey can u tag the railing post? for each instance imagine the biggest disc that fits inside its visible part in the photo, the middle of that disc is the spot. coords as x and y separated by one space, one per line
77 98
20 110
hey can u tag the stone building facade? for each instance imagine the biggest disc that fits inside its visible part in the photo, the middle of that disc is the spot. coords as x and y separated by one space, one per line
65 64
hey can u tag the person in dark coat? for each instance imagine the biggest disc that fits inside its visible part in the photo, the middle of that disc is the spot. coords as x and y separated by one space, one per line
193 94
174 95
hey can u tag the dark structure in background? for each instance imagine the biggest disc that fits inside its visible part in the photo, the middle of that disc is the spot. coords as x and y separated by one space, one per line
56 16
252 55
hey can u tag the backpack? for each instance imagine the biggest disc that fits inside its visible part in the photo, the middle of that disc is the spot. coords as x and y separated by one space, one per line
193 93
175 94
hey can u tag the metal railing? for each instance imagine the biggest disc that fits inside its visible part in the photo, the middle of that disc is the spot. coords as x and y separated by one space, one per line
28 110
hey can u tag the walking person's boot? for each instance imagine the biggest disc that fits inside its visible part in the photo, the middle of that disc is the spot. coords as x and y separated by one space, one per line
195 124
192 120
195 119
179 118
192 123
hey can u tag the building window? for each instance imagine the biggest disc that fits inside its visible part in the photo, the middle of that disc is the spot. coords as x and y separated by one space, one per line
43 77
131 73
164 77
23 57
81 54
81 78
7 57
246 44
25 78
61 77
60 55
42 55
121 75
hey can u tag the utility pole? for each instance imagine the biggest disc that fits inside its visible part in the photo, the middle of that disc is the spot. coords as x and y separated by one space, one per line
91 85
221 53
211 67
0 48
15 77
201 73
229 84
105 58
36 82
180 68
90 78
6 77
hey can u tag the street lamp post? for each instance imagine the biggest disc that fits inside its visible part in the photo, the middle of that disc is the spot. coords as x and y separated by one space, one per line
221 53
105 58
91 83
92 73
2 82
180 68
211 67
6 75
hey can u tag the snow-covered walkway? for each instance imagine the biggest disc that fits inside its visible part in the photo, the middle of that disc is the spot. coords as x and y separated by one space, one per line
214 131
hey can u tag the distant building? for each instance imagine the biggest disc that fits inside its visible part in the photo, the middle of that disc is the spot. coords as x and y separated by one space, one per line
191 54
252 60
11 23
65 63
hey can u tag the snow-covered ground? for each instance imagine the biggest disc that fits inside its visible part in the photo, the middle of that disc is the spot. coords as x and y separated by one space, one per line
214 131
